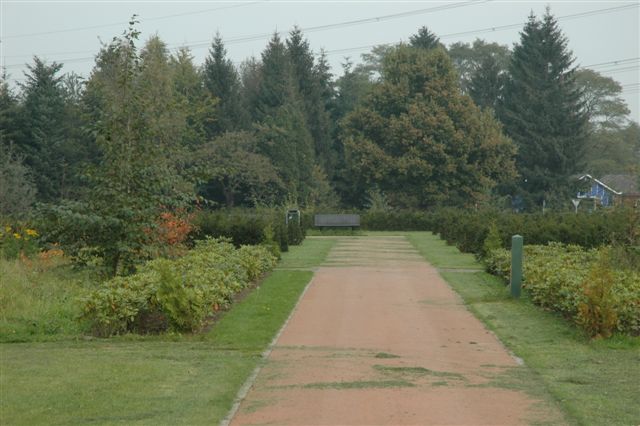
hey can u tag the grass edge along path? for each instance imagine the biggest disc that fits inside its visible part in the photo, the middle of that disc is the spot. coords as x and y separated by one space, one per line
166 379
593 382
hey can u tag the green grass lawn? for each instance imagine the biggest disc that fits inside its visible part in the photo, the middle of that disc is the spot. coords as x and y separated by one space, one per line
165 379
38 301
307 256
594 382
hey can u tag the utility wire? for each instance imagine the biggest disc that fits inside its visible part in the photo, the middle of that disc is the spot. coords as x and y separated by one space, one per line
493 29
157 18
375 19
241 39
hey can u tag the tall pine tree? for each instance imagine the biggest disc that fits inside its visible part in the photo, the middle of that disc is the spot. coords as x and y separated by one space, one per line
312 83
542 111
43 122
222 81
279 113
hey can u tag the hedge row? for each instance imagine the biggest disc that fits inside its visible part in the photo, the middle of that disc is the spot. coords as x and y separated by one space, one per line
248 227
469 229
581 284
176 294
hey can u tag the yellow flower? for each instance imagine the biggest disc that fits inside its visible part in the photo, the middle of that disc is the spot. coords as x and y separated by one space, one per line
17 236
31 232
7 229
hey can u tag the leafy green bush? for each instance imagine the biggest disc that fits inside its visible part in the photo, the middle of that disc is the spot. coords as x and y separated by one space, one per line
575 282
247 227
468 230
177 294
17 239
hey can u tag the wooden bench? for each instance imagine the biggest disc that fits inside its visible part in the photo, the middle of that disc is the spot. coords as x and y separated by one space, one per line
336 220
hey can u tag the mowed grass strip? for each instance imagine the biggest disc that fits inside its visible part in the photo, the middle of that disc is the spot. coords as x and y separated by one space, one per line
309 255
594 382
165 379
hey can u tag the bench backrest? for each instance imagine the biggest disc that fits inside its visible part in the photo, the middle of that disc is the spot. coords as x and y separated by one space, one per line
337 220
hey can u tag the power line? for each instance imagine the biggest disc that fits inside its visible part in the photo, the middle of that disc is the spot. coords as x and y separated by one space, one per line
616 62
375 19
496 28
615 71
247 38
157 18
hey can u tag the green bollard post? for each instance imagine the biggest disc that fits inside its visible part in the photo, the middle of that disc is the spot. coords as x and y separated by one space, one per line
516 265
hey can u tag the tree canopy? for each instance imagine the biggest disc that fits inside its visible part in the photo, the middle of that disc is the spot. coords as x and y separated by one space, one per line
422 142
543 111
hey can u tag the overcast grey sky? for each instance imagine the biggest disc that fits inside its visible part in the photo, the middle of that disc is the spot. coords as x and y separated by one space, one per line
599 32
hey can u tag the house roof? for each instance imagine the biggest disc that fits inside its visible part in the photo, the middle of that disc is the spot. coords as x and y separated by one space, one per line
626 184
601 183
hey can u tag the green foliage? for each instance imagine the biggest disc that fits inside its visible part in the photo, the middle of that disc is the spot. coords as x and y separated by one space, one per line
180 294
597 313
482 67
295 233
284 138
542 111
579 283
425 39
264 226
38 297
221 80
312 81
231 165
493 240
139 123
422 142
49 139
17 240
17 187
468 230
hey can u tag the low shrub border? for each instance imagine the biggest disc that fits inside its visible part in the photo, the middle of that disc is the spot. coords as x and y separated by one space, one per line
176 294
579 283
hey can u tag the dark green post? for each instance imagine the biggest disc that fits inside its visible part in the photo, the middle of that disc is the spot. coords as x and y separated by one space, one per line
516 265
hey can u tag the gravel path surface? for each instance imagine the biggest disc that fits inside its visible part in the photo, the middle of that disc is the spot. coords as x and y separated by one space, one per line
380 339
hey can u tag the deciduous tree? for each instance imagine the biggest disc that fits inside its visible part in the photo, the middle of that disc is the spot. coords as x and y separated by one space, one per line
421 142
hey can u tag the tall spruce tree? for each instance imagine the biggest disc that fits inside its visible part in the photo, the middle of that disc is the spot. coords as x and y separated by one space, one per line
43 122
542 111
221 79
312 83
279 112
276 85
424 39
486 83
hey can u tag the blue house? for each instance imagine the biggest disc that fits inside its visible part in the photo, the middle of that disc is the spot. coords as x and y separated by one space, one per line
610 190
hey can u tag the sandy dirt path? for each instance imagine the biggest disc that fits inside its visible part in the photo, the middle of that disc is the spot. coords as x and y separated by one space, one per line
380 339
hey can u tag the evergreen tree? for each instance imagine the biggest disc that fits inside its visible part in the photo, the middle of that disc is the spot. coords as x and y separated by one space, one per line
281 121
276 86
542 111
222 81
43 123
425 39
10 126
199 104
17 190
486 83
250 78
312 84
